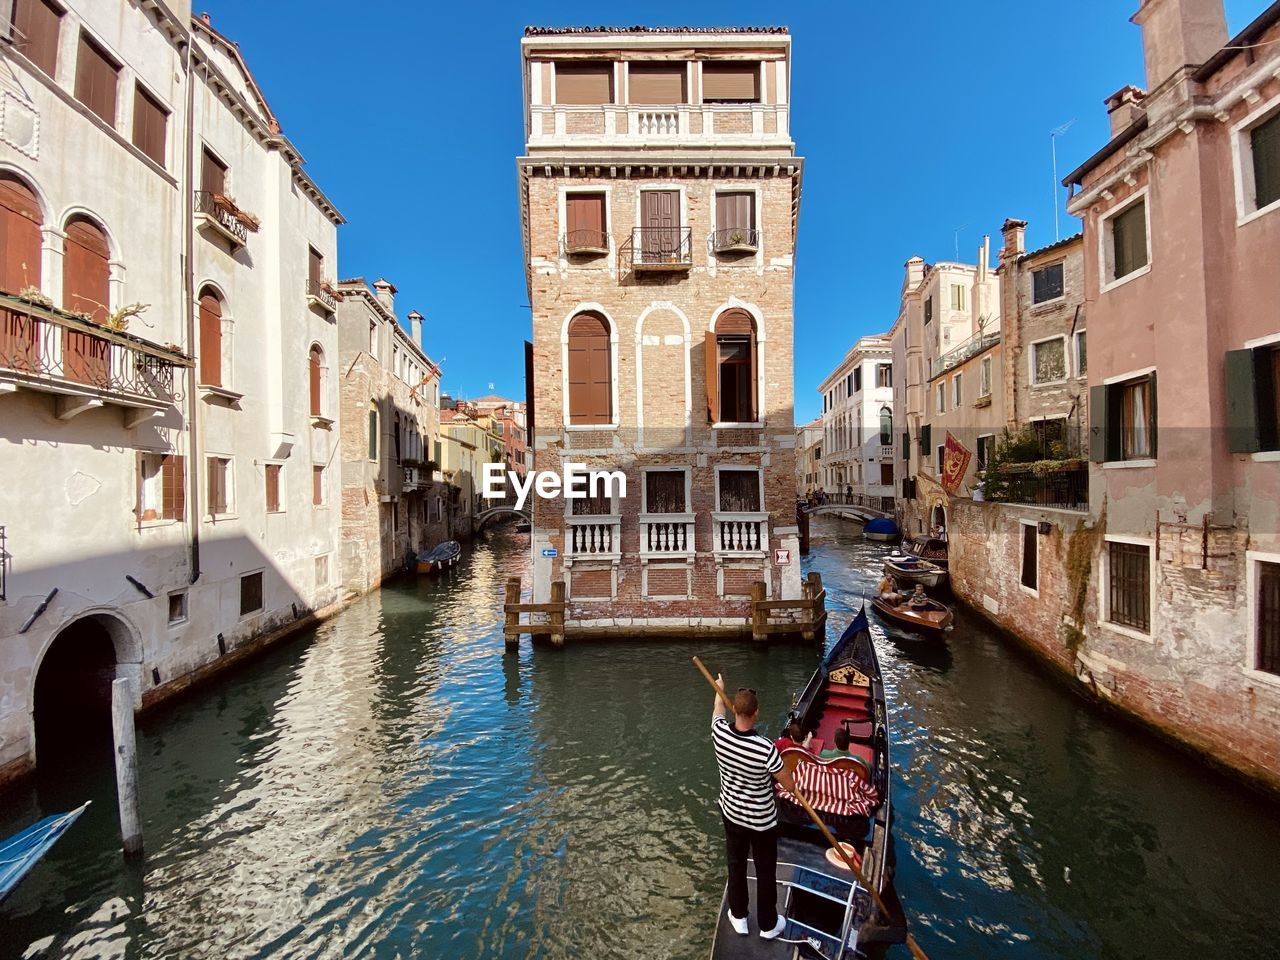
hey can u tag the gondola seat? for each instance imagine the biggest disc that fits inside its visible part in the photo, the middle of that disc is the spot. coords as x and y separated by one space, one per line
841 786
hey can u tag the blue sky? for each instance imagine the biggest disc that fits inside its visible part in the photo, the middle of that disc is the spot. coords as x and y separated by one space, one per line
923 125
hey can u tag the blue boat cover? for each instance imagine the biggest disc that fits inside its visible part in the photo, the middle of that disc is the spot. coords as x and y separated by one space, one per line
880 525
19 853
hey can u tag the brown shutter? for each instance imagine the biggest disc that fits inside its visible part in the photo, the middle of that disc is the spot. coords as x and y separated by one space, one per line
590 376
213 174
589 83
735 323
96 77
315 264
713 377
19 268
85 289
38 21
315 381
149 122
139 472
210 339
657 83
273 487
174 478
584 220
317 486
735 81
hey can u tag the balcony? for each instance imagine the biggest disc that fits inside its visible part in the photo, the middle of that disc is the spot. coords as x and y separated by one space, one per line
219 215
1061 485
659 249
711 124
666 536
84 364
739 534
971 347
586 243
414 478
735 240
593 537
320 296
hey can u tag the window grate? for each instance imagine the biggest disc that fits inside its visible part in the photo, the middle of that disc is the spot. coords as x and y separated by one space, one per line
1130 585
1268 615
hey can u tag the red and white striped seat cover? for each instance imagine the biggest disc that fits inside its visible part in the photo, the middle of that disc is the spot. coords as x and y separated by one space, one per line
831 790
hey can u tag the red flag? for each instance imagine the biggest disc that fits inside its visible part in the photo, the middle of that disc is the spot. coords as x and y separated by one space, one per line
955 461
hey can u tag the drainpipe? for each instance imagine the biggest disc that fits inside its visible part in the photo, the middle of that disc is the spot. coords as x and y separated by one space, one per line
188 290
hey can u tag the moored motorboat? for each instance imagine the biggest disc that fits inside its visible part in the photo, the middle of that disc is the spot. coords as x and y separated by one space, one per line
908 569
440 557
882 529
817 896
927 615
933 549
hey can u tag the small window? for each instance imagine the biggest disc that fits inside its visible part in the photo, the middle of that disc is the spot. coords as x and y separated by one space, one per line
219 492
984 377
1082 355
322 570
664 491
1267 658
315 380
1049 361
857 379
150 125
161 487
886 426
373 339
585 231
730 82
739 490
735 221
1030 557
1046 284
928 310
96 78
1123 420
178 607
942 398
957 391
1129 585
39 22
731 369
210 338
213 173
957 296
942 458
1253 399
983 455
373 431
1136 425
317 486
273 487
1264 143
906 445
884 375
250 593
584 83
886 474
1129 240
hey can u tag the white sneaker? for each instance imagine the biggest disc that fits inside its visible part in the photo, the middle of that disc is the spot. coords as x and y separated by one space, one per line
776 931
739 926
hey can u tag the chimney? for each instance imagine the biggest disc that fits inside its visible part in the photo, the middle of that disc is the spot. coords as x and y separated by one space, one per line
1125 106
415 324
1177 34
915 272
386 291
1015 240
984 258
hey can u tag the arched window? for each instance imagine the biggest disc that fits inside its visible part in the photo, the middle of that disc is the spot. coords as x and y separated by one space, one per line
590 368
732 355
20 223
210 337
396 437
86 290
886 426
373 430
315 371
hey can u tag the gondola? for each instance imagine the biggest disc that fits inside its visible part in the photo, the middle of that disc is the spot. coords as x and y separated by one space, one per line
928 616
908 569
20 852
820 900
933 549
440 557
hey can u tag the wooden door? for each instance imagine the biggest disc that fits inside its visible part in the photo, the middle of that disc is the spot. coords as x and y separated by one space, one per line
19 268
660 225
86 286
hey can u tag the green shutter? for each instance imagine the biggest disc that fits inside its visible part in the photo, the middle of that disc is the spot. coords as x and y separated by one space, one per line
373 434
1242 403
926 439
1153 416
1099 434
1265 142
1129 238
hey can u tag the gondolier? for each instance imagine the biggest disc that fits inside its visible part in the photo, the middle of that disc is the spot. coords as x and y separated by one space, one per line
749 764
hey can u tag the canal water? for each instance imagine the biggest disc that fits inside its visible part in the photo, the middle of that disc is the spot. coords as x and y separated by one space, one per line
395 785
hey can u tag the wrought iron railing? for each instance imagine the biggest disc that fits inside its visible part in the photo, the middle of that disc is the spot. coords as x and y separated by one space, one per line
660 248
586 241
1064 487
734 240
224 213
40 343
958 355
319 291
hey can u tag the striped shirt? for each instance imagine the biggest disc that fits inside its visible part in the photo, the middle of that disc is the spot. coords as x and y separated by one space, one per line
747 762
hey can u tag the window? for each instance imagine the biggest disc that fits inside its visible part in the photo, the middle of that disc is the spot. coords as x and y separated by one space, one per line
928 310
986 444
210 338
584 223
39 21
884 375
213 173
857 379
984 377
1082 355
373 431
735 221
373 339
96 76
1123 420
957 391
1136 426
1253 399
957 296
906 445
1267 657
219 486
161 486
250 593
178 607
322 570
1129 585
1030 557
657 83
942 398
1049 360
731 369
150 121
315 379
1046 283
886 474
1264 144
739 491
942 457
664 491
730 82
584 83
1128 236
590 370
273 487
886 426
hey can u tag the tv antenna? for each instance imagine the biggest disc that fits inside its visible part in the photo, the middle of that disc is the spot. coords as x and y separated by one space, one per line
1054 134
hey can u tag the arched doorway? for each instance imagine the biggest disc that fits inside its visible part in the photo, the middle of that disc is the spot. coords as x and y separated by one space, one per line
939 520
72 697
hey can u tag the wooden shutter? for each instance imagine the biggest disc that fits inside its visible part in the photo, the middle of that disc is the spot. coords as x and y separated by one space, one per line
926 439
1099 425
39 22
317 486
213 174
713 377
1152 413
149 122
210 339
273 487
20 244
590 373
588 83
1243 434
373 434
731 81
85 289
217 486
584 219
1265 143
1129 236
315 265
96 77
734 212
657 83
173 483
314 365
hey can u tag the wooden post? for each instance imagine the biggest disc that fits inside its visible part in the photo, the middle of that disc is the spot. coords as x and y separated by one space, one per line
511 625
818 605
759 616
557 615
806 608
802 518
126 744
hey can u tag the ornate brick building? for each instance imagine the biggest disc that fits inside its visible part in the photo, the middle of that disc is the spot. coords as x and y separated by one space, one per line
659 196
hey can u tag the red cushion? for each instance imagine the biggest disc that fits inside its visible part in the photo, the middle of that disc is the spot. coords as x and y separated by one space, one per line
830 790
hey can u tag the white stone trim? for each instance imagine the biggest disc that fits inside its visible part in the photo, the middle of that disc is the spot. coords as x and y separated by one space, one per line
1267 341
584 307
1104 592
733 303
1252 559
1105 250
1128 375
1031 361
688 372
1242 150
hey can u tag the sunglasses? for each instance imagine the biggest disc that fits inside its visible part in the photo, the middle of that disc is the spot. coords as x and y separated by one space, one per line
746 690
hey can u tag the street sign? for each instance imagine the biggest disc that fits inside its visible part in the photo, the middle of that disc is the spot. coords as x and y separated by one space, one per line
550 552
781 558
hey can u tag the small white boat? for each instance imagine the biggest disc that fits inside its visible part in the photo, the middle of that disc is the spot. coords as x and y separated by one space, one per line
908 569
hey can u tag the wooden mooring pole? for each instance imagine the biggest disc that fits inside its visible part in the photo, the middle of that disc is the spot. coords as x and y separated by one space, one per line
126 744
511 626
557 615
759 617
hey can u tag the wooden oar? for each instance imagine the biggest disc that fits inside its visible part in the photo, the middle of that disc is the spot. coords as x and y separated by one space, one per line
914 947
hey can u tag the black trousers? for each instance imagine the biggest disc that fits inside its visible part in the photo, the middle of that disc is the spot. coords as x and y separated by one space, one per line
762 847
